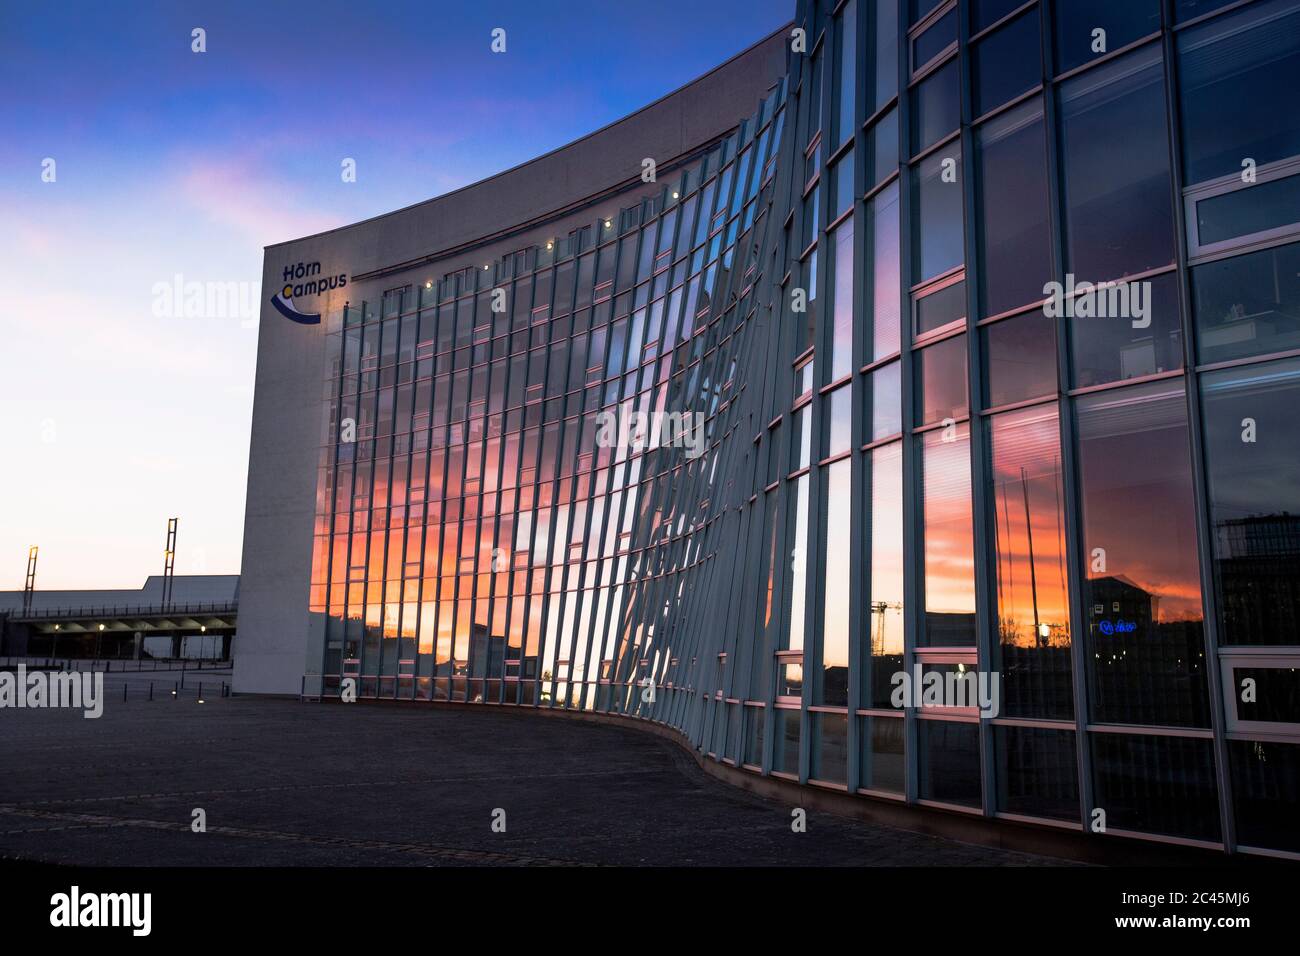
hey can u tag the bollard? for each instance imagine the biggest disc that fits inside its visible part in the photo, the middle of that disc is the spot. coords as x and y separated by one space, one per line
176 691
123 691
151 690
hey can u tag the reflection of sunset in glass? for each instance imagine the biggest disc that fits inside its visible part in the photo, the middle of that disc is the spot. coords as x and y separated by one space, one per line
1028 534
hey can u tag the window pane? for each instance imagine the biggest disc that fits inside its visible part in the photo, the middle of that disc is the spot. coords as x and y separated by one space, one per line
837 421
841 342
1226 67
831 755
1247 305
985 13
885 654
1243 212
1038 772
846 67
1021 359
937 203
1189 9
941 308
886 402
1007 63
1142 595
842 185
1033 609
1252 434
949 545
883 767
885 36
935 107
835 620
798 565
941 386
1116 188
917 9
936 38
1111 349
785 752
1156 784
949 762
1122 20
882 148
1015 241
884 272
1265 781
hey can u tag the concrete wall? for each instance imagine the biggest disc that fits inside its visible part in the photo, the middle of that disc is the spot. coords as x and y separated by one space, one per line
544 198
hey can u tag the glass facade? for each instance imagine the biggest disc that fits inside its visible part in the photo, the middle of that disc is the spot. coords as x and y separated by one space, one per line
877 443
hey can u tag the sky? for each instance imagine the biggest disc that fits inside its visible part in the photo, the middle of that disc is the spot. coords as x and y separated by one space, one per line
118 409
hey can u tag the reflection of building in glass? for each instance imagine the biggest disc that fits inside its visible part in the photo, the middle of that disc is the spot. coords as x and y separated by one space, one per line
838 270
1258 567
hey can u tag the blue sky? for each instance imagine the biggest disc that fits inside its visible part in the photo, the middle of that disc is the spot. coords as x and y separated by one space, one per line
171 163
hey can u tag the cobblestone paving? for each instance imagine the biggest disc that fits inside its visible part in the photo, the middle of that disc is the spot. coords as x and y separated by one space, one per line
284 783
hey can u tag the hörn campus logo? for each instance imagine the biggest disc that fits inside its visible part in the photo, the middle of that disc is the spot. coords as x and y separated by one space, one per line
304 279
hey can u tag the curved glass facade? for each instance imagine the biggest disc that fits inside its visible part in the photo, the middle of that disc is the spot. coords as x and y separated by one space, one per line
968 360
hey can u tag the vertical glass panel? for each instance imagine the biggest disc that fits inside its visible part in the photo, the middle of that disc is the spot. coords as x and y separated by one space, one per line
985 13
884 34
1038 772
940 308
941 381
1123 21
1113 348
1033 607
886 402
949 762
884 272
835 575
1189 9
831 755
935 107
1014 237
842 185
1252 444
937 207
785 756
798 565
1265 781
884 656
1226 66
1156 784
883 767
755 719
949 543
841 339
936 38
846 68
1007 63
837 421
882 148
1021 356
1141 593
1247 305
1118 210
917 9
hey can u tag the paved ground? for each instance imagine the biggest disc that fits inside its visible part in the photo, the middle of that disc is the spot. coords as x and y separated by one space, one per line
284 783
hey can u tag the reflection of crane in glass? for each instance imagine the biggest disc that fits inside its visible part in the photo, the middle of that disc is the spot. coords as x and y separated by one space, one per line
878 609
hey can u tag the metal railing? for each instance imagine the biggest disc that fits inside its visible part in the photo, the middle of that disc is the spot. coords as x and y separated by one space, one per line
120 665
139 610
